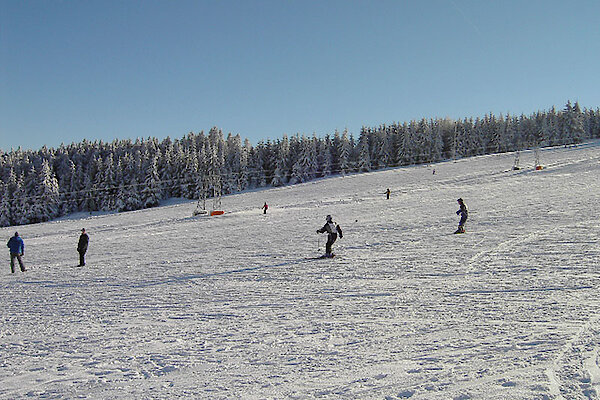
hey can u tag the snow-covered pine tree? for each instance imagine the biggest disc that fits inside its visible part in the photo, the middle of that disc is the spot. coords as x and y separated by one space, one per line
22 203
11 189
68 190
282 149
344 151
5 208
243 178
477 143
150 195
309 158
437 142
364 157
593 125
381 148
109 184
48 195
324 158
495 129
265 161
232 163
190 171
574 123
410 148
29 208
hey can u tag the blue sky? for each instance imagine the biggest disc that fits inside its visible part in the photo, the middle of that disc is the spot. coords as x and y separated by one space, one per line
100 70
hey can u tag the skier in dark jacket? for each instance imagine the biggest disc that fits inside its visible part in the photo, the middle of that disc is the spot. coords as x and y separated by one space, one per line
17 250
333 230
464 214
82 247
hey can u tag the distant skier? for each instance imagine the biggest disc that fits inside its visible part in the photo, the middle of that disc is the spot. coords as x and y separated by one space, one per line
333 230
265 208
82 247
17 250
464 214
387 193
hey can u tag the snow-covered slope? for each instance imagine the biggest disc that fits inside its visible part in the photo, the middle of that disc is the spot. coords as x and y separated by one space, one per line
229 307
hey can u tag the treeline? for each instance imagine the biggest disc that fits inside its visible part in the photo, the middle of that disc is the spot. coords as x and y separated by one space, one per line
128 175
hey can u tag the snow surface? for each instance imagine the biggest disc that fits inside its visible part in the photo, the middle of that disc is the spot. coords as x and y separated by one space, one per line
230 307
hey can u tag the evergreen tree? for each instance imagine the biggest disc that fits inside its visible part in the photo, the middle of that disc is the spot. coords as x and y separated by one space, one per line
48 195
344 151
150 196
281 158
28 208
324 157
5 207
364 158
574 126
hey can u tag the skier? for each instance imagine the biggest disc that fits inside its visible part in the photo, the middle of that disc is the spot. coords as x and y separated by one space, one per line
332 230
17 250
265 208
464 214
82 246
387 193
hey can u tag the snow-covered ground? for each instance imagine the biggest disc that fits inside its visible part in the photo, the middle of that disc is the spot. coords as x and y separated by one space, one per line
231 307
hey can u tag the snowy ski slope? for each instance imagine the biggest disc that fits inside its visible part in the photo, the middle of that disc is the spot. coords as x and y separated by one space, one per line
230 307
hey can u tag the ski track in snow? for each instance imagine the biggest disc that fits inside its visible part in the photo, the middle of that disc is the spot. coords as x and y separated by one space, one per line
233 307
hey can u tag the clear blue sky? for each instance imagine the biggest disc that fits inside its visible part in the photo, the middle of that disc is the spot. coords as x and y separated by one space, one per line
105 69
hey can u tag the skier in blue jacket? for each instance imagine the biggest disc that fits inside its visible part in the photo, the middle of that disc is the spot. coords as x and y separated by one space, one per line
464 214
17 250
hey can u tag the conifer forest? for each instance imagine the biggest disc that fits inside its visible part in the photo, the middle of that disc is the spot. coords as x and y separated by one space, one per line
127 175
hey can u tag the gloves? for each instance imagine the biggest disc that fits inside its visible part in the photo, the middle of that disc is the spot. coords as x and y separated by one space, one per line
341 236
318 231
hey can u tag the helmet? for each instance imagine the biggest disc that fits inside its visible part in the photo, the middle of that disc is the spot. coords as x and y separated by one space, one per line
328 218
460 200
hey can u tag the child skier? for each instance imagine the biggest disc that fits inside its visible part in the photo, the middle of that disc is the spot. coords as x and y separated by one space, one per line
464 214
332 230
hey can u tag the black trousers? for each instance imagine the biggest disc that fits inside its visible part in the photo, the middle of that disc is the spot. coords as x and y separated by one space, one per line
12 262
81 258
331 238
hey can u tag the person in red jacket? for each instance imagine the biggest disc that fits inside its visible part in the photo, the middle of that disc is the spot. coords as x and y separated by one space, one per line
333 230
265 208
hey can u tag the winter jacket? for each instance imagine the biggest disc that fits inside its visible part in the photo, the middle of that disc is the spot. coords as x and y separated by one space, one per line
83 243
463 212
331 228
16 245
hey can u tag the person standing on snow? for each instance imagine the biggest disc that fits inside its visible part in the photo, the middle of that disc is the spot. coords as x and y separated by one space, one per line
265 208
464 214
17 250
332 230
387 193
82 246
